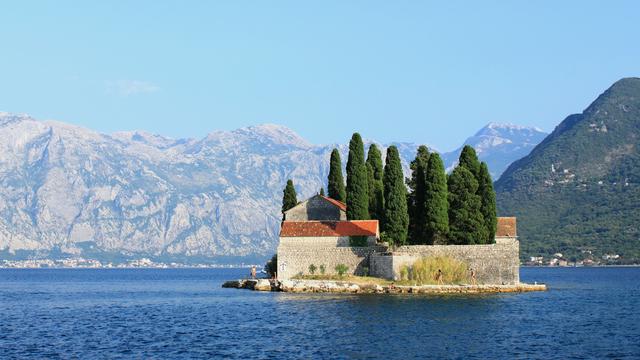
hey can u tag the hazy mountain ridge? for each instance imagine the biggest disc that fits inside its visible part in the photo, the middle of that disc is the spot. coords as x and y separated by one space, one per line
499 145
69 189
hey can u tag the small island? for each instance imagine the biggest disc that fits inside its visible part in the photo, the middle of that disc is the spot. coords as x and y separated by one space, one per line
440 236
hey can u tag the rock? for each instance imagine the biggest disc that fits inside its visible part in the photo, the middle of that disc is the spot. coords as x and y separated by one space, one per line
286 285
250 284
262 285
236 284
354 288
299 287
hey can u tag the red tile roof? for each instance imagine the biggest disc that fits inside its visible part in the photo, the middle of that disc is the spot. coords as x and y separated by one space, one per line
506 227
337 203
329 228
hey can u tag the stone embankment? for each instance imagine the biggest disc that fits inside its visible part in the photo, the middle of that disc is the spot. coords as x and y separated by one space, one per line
330 286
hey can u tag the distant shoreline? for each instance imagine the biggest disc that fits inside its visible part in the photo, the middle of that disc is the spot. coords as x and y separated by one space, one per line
571 267
129 267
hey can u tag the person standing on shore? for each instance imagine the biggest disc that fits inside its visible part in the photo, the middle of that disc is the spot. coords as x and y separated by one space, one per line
439 277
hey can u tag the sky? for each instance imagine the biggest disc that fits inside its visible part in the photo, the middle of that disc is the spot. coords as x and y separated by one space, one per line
416 71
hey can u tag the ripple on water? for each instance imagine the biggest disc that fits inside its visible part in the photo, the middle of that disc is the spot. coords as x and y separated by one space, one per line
185 314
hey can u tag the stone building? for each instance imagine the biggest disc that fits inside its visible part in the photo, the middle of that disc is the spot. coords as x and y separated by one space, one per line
316 232
317 207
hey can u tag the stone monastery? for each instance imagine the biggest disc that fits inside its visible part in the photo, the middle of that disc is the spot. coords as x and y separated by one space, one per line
316 231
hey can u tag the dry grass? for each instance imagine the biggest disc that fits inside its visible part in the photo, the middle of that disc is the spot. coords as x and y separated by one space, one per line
424 271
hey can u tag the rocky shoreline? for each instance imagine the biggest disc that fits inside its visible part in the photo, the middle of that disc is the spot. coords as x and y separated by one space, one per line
333 286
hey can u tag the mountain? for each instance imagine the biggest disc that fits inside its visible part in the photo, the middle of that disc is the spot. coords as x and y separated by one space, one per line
65 189
499 145
578 191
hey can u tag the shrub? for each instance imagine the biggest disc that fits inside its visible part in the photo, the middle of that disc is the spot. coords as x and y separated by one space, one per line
424 271
322 269
404 272
312 269
341 269
271 267
365 271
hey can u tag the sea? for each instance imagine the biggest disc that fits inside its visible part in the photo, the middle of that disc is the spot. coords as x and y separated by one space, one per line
185 314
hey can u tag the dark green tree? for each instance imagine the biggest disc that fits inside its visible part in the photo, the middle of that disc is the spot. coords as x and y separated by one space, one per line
466 225
488 201
336 181
289 197
436 217
396 218
322 191
415 199
271 267
357 184
469 159
375 172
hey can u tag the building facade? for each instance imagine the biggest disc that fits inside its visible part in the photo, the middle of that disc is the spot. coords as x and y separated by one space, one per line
316 232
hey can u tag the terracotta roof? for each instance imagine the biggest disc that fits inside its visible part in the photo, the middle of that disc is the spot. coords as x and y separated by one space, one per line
506 227
329 228
337 203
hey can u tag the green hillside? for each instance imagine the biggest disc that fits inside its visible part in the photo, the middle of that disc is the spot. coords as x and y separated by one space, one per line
579 190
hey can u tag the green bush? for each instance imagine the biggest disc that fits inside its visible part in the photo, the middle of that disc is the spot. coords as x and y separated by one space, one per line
341 269
365 271
423 271
312 269
404 272
271 267
322 269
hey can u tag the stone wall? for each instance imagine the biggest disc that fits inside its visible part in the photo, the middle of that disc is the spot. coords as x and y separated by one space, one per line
495 264
316 208
295 254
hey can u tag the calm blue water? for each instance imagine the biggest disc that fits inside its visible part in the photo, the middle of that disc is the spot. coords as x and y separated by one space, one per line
183 313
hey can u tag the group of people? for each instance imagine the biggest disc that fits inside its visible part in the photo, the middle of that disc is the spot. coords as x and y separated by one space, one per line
472 274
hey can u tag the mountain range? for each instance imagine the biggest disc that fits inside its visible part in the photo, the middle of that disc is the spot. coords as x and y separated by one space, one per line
67 190
577 192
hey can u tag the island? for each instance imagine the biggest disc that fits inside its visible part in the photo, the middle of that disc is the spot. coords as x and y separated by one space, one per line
441 236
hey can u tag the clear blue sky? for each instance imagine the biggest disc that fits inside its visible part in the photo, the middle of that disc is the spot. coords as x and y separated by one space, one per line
394 70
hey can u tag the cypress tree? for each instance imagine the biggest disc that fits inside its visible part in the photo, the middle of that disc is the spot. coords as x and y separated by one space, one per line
396 218
480 171
436 217
466 225
469 159
289 197
357 184
488 200
336 182
322 191
375 171
415 199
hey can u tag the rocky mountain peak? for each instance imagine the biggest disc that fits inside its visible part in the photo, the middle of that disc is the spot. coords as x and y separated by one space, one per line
8 118
277 134
67 188
498 144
